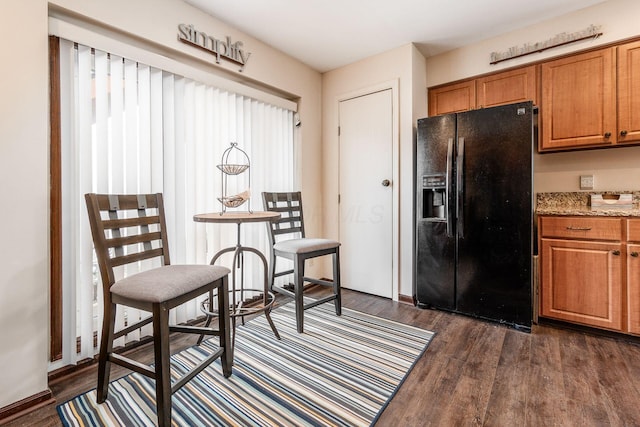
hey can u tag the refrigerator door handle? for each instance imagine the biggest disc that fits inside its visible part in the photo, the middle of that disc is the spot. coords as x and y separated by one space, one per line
448 185
459 187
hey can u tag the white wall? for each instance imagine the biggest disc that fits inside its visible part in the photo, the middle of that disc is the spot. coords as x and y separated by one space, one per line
24 262
402 65
613 169
24 148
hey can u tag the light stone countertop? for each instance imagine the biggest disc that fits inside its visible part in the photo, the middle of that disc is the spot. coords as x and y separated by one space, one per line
578 204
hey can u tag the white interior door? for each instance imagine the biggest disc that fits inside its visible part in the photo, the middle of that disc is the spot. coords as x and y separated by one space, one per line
366 193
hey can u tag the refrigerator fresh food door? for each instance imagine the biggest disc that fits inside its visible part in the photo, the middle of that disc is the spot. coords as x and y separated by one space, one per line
435 216
494 168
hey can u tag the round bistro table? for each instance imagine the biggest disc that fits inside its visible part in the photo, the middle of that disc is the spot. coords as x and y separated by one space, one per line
241 306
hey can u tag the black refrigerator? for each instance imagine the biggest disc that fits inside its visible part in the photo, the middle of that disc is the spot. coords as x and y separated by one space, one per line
474 213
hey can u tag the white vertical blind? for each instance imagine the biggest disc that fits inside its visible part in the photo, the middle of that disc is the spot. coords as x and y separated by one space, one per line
83 168
131 128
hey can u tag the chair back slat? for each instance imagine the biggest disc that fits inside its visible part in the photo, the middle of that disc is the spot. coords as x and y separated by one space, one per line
130 222
132 240
126 229
135 257
288 230
128 201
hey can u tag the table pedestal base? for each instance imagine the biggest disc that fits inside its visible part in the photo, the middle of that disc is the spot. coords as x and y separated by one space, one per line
241 304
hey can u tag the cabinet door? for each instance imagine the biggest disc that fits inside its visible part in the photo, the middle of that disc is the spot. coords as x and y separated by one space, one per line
452 98
578 104
633 288
582 282
629 93
507 87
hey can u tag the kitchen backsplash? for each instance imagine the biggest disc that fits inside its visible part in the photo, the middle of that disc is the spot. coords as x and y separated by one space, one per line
578 203
576 199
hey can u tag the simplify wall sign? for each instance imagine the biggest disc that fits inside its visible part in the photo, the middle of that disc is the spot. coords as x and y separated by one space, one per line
222 49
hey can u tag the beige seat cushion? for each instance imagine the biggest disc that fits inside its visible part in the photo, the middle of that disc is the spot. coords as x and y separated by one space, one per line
304 246
168 282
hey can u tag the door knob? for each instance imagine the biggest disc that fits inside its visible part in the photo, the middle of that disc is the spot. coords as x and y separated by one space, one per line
386 183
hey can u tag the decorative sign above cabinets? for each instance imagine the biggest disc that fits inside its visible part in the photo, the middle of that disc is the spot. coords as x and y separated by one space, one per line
591 32
220 48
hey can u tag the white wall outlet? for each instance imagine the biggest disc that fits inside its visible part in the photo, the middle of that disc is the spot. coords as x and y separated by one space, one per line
586 182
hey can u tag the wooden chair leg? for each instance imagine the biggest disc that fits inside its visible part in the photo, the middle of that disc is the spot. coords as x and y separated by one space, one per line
162 364
106 347
224 326
298 287
336 283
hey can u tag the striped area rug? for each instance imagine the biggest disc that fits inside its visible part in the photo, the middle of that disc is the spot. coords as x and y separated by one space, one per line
341 371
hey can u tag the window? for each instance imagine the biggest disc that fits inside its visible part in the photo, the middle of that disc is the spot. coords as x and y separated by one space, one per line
126 127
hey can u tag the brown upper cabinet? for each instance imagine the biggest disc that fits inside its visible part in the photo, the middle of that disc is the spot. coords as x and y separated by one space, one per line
507 87
488 91
586 100
578 106
452 98
579 95
629 93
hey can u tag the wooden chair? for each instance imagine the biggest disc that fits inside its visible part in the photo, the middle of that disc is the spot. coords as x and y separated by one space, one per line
128 229
288 241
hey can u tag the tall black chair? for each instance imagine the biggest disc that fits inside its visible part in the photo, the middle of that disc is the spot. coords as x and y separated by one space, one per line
128 229
288 241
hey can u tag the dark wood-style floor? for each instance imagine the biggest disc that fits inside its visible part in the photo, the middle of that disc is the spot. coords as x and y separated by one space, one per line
479 373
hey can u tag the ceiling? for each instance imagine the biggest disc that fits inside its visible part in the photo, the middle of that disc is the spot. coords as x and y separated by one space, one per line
328 34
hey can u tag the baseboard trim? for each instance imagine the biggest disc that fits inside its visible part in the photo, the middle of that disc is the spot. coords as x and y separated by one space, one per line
21 407
407 299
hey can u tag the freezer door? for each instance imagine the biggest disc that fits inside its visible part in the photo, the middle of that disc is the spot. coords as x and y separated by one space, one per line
494 167
435 217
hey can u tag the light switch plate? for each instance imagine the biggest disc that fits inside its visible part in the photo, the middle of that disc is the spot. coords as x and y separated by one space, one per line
586 182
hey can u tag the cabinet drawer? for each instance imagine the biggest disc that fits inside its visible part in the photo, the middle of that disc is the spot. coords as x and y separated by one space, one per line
581 228
633 230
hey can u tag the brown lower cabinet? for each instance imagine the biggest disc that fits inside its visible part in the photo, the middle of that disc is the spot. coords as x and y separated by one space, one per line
633 275
583 263
633 287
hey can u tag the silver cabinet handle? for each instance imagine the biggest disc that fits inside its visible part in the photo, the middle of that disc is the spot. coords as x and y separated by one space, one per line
386 183
571 228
